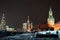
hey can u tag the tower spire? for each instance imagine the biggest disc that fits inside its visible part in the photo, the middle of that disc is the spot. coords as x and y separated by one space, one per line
50 12
3 17
28 21
3 14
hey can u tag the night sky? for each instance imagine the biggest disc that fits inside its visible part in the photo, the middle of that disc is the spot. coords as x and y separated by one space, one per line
16 12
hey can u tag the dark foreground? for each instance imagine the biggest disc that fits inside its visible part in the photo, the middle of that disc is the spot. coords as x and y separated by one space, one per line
30 36
30 39
27 36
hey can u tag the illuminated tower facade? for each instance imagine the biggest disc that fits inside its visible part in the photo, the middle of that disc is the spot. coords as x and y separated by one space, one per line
28 25
32 26
3 23
50 19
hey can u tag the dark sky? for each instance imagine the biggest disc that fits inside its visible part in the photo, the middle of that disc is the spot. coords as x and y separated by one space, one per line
16 12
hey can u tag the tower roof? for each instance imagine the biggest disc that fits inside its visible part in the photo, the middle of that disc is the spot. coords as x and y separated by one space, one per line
50 14
28 17
50 11
3 14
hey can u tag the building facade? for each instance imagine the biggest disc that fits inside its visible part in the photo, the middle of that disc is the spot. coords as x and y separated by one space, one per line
24 27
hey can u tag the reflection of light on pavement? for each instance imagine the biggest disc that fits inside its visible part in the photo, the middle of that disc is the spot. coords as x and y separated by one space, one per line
44 32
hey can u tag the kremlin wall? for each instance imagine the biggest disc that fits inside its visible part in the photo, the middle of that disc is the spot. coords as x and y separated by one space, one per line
28 26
